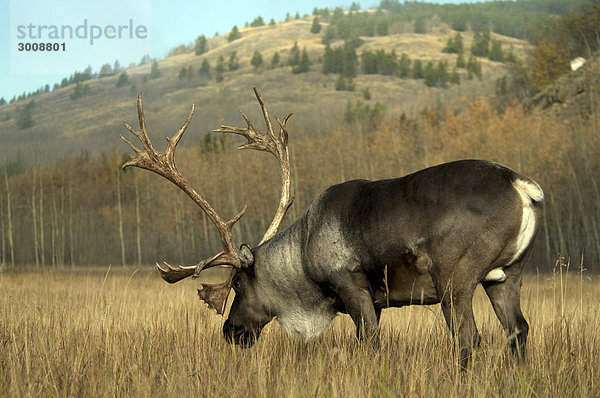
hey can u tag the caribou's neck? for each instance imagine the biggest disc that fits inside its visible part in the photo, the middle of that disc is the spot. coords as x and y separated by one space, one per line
287 292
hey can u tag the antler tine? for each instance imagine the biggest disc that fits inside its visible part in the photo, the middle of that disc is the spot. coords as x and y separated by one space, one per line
142 135
282 131
149 158
172 142
174 274
265 112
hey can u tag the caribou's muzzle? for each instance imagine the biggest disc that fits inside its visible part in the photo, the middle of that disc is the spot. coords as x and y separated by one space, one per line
239 335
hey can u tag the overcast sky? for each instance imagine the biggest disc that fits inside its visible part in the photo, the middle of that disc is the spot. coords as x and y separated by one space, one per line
123 30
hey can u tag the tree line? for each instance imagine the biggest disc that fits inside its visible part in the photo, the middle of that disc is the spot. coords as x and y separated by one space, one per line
526 20
84 210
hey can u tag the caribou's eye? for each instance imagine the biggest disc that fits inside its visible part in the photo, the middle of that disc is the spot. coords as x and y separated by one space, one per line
236 283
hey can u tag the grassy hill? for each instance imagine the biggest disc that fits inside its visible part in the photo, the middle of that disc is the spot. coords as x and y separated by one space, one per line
63 126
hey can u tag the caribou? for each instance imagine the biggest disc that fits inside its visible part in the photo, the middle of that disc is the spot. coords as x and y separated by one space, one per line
361 246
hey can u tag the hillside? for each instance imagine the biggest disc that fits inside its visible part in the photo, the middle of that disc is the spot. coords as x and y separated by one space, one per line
64 127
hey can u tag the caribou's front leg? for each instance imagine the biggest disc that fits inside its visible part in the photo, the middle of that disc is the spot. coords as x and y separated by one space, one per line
352 288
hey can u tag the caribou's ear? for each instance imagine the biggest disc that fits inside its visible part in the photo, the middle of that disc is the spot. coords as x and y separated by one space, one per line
246 256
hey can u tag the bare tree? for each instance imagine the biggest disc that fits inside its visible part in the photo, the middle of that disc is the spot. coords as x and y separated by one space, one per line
138 219
9 219
35 221
120 215
41 207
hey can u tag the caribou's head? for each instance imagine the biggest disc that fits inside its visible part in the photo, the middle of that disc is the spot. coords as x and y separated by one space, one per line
247 316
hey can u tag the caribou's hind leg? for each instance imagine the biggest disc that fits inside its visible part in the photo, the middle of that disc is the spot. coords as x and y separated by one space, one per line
506 300
455 291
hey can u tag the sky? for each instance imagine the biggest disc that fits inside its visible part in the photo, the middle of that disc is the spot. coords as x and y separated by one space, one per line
99 32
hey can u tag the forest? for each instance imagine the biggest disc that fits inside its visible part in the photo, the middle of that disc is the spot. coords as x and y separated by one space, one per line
85 210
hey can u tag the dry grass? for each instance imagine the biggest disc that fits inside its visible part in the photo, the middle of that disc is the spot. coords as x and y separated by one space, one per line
124 332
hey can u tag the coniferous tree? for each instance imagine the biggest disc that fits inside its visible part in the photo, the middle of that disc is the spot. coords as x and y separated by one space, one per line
454 45
154 71
460 60
316 26
256 60
105 70
349 113
258 21
220 69
510 55
350 60
328 60
473 68
481 43
454 76
501 86
205 69
79 91
443 76
403 69
430 75
233 63
366 94
382 28
419 25
200 45
25 116
496 53
275 60
304 64
182 73
234 34
417 69
387 62
145 59
369 62
294 55
344 83
122 80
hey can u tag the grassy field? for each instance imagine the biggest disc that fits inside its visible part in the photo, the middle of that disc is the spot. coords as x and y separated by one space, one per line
124 332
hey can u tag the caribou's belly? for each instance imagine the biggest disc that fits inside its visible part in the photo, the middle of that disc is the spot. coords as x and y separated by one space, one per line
406 286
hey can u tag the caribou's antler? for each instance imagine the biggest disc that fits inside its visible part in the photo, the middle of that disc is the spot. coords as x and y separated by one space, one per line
274 144
164 165
148 158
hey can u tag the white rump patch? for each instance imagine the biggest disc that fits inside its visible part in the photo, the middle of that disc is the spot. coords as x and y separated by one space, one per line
577 63
495 275
528 191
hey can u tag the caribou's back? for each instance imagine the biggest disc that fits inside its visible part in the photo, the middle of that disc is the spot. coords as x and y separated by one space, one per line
431 222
